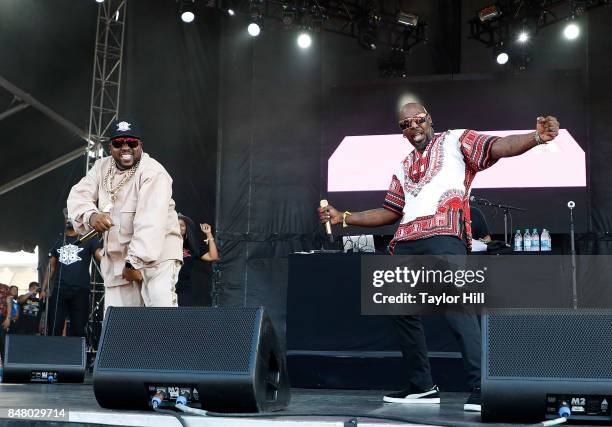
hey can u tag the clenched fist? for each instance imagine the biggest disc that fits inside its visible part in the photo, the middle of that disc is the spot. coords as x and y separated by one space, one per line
329 213
547 128
101 222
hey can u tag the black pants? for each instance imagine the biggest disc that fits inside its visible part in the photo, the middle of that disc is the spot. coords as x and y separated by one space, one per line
465 327
185 298
72 303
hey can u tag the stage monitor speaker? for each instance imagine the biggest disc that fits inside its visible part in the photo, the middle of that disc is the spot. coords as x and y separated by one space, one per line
536 362
219 359
35 358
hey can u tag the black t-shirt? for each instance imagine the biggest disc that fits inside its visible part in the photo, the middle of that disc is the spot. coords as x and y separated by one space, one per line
189 257
73 262
480 227
29 316
185 272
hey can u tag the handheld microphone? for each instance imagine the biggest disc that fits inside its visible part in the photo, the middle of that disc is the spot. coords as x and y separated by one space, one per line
85 237
328 230
93 232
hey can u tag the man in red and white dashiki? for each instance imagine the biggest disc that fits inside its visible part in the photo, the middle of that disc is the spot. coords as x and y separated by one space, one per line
429 195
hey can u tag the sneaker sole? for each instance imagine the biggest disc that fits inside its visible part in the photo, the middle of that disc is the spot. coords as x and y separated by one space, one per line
470 407
416 401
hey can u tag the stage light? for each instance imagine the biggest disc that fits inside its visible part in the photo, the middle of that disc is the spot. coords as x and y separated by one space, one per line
489 13
99 1
571 31
368 30
523 37
255 18
187 17
231 12
289 16
254 29
304 40
407 19
502 58
187 10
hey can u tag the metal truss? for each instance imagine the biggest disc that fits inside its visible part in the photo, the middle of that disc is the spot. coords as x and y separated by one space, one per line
16 106
22 100
532 15
106 82
345 17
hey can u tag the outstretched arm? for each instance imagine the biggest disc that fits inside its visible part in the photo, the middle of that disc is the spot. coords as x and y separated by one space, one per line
370 218
547 129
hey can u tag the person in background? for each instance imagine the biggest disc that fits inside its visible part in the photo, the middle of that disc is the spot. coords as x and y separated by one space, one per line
70 281
9 316
30 310
193 249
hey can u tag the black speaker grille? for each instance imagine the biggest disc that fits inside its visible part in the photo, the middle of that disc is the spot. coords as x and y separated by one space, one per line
550 344
192 339
37 350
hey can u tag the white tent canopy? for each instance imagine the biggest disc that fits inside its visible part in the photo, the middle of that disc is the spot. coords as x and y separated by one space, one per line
19 268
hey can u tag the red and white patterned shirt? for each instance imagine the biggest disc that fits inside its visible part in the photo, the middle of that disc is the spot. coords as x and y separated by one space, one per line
432 189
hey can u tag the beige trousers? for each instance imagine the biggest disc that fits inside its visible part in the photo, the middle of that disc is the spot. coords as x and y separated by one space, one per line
157 289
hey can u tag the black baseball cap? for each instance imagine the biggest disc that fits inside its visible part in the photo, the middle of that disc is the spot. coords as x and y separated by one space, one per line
124 128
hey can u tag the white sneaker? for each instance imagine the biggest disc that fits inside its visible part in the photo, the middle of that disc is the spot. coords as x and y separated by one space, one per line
473 402
411 396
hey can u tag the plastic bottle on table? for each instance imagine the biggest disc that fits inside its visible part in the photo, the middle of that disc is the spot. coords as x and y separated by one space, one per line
527 241
535 240
518 241
545 241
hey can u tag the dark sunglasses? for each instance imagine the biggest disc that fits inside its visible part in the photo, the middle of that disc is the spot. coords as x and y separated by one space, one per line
406 123
131 142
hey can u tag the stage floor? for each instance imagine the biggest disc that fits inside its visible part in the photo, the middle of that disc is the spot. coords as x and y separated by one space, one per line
83 409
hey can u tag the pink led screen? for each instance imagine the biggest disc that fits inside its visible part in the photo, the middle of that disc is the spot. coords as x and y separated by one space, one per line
366 163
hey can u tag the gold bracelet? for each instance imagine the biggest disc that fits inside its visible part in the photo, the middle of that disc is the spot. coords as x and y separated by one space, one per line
344 215
210 238
538 138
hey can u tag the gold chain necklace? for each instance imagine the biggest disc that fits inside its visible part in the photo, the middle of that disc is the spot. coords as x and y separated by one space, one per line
110 175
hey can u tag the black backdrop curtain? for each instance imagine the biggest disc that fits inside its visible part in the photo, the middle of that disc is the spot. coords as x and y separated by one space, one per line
270 157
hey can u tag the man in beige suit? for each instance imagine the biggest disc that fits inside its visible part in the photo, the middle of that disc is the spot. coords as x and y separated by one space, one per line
128 198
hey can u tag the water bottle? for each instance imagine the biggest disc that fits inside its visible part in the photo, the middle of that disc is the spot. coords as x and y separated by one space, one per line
535 240
527 241
545 243
518 241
